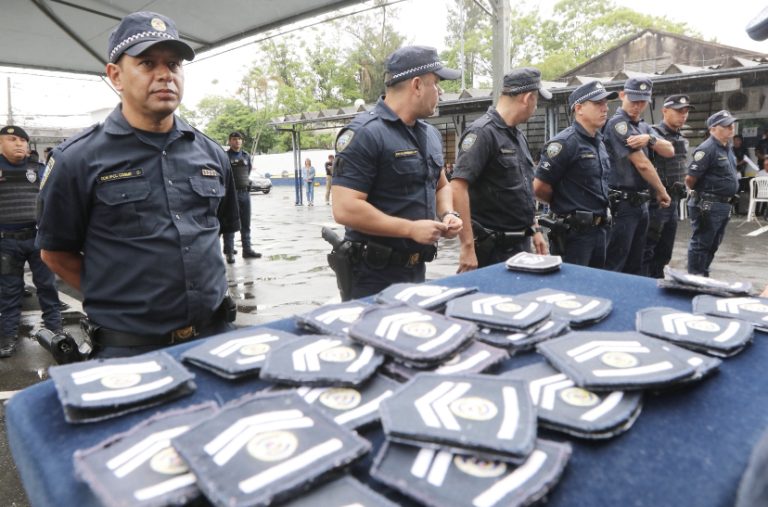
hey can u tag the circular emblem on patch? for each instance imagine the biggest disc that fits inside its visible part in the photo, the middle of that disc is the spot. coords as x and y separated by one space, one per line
31 175
273 446
619 360
343 140
474 408
698 155
704 325
254 349
508 307
121 381
756 307
420 329
554 149
341 354
621 128
468 141
568 304
340 398
578 397
168 462
158 24
478 467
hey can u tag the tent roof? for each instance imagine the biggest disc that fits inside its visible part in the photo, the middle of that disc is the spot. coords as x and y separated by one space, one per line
72 35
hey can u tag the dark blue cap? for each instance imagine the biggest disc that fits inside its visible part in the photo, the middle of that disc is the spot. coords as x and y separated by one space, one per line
638 88
679 101
412 61
594 91
236 133
722 118
139 31
523 80
13 130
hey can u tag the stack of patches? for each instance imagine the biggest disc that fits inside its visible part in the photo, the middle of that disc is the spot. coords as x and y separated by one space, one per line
675 279
458 440
576 309
750 309
533 263
515 323
102 389
421 295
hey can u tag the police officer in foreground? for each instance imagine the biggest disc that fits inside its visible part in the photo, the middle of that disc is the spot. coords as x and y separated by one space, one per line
19 186
630 140
571 177
132 208
492 181
241 170
388 186
662 222
713 178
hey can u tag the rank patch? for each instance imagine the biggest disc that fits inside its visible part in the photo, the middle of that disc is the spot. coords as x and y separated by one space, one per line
468 142
554 149
209 172
344 139
427 296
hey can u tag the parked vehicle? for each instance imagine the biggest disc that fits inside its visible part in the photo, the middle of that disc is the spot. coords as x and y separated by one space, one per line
259 183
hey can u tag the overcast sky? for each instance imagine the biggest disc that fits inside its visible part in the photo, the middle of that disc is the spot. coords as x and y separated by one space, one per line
62 99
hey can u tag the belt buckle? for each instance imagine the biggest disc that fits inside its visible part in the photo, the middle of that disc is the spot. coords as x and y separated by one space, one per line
183 334
413 259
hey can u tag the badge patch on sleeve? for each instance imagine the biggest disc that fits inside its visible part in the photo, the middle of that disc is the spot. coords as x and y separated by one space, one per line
468 142
120 175
343 140
554 149
698 155
621 128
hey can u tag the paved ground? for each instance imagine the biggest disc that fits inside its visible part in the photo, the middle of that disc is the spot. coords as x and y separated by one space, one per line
293 277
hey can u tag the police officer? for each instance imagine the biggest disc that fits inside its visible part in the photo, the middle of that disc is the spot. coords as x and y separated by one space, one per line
571 177
132 208
19 186
241 170
662 222
713 178
492 181
388 187
629 141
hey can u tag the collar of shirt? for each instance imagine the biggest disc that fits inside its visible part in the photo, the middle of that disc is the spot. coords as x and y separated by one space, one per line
499 121
666 130
385 113
620 112
583 133
116 124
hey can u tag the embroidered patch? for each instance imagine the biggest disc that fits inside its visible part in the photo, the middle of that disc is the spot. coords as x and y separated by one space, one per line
31 175
210 172
47 172
468 141
343 140
406 153
158 24
554 149
120 175
621 128
698 155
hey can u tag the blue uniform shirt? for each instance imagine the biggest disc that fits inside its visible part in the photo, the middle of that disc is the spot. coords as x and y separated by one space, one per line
397 166
623 175
715 167
147 220
576 165
496 162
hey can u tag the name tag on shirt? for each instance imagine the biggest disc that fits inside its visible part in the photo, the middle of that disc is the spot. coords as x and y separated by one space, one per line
406 153
508 151
211 173
587 155
121 175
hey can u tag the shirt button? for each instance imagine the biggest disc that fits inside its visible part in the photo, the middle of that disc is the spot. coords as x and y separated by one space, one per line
164 153
186 249
124 196
213 190
170 182
178 217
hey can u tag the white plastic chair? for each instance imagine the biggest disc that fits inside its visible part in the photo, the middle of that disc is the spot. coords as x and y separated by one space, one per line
758 192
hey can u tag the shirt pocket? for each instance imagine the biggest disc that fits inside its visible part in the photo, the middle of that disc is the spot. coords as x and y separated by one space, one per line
209 192
124 208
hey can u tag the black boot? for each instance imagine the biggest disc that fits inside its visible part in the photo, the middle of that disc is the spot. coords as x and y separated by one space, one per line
249 253
7 346
230 258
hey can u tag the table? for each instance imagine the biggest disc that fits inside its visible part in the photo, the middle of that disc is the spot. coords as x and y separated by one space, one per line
689 446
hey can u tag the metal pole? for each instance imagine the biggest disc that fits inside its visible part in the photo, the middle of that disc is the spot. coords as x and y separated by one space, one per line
297 179
500 59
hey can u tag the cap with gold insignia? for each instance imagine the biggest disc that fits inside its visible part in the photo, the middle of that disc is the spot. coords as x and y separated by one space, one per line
594 91
638 89
678 102
12 130
139 31
411 61
721 118
523 80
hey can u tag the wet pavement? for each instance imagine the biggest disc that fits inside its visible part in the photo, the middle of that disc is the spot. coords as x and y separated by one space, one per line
293 277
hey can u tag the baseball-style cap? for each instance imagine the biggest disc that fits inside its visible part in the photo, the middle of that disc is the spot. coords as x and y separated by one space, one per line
236 133
722 118
593 91
411 61
678 102
523 80
139 31
638 89
12 130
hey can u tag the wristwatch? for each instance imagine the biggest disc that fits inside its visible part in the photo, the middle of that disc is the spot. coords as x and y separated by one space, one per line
454 213
652 139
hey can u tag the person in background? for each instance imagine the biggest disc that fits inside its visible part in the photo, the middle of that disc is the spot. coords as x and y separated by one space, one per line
740 152
328 178
309 179
240 160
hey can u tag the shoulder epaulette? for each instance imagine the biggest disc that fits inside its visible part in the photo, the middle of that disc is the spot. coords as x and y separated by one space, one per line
79 136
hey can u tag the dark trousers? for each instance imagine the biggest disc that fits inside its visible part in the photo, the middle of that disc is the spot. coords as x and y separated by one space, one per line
584 247
660 240
627 241
369 281
502 251
15 253
244 205
708 231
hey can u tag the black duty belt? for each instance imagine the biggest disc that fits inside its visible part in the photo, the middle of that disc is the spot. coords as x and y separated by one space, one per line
573 218
381 256
636 198
706 196
20 234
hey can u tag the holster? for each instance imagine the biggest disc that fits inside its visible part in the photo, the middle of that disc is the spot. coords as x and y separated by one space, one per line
655 228
677 190
10 265
342 260
558 230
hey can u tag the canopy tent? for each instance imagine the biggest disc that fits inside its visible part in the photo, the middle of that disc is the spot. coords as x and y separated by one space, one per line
71 35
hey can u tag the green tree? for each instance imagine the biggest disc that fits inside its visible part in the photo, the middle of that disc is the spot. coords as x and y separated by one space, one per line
477 35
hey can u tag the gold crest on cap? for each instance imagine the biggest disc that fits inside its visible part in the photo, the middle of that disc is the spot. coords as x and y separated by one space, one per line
158 24
643 87
683 100
10 130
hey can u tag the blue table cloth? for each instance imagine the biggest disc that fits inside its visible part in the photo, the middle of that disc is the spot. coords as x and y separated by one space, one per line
689 446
